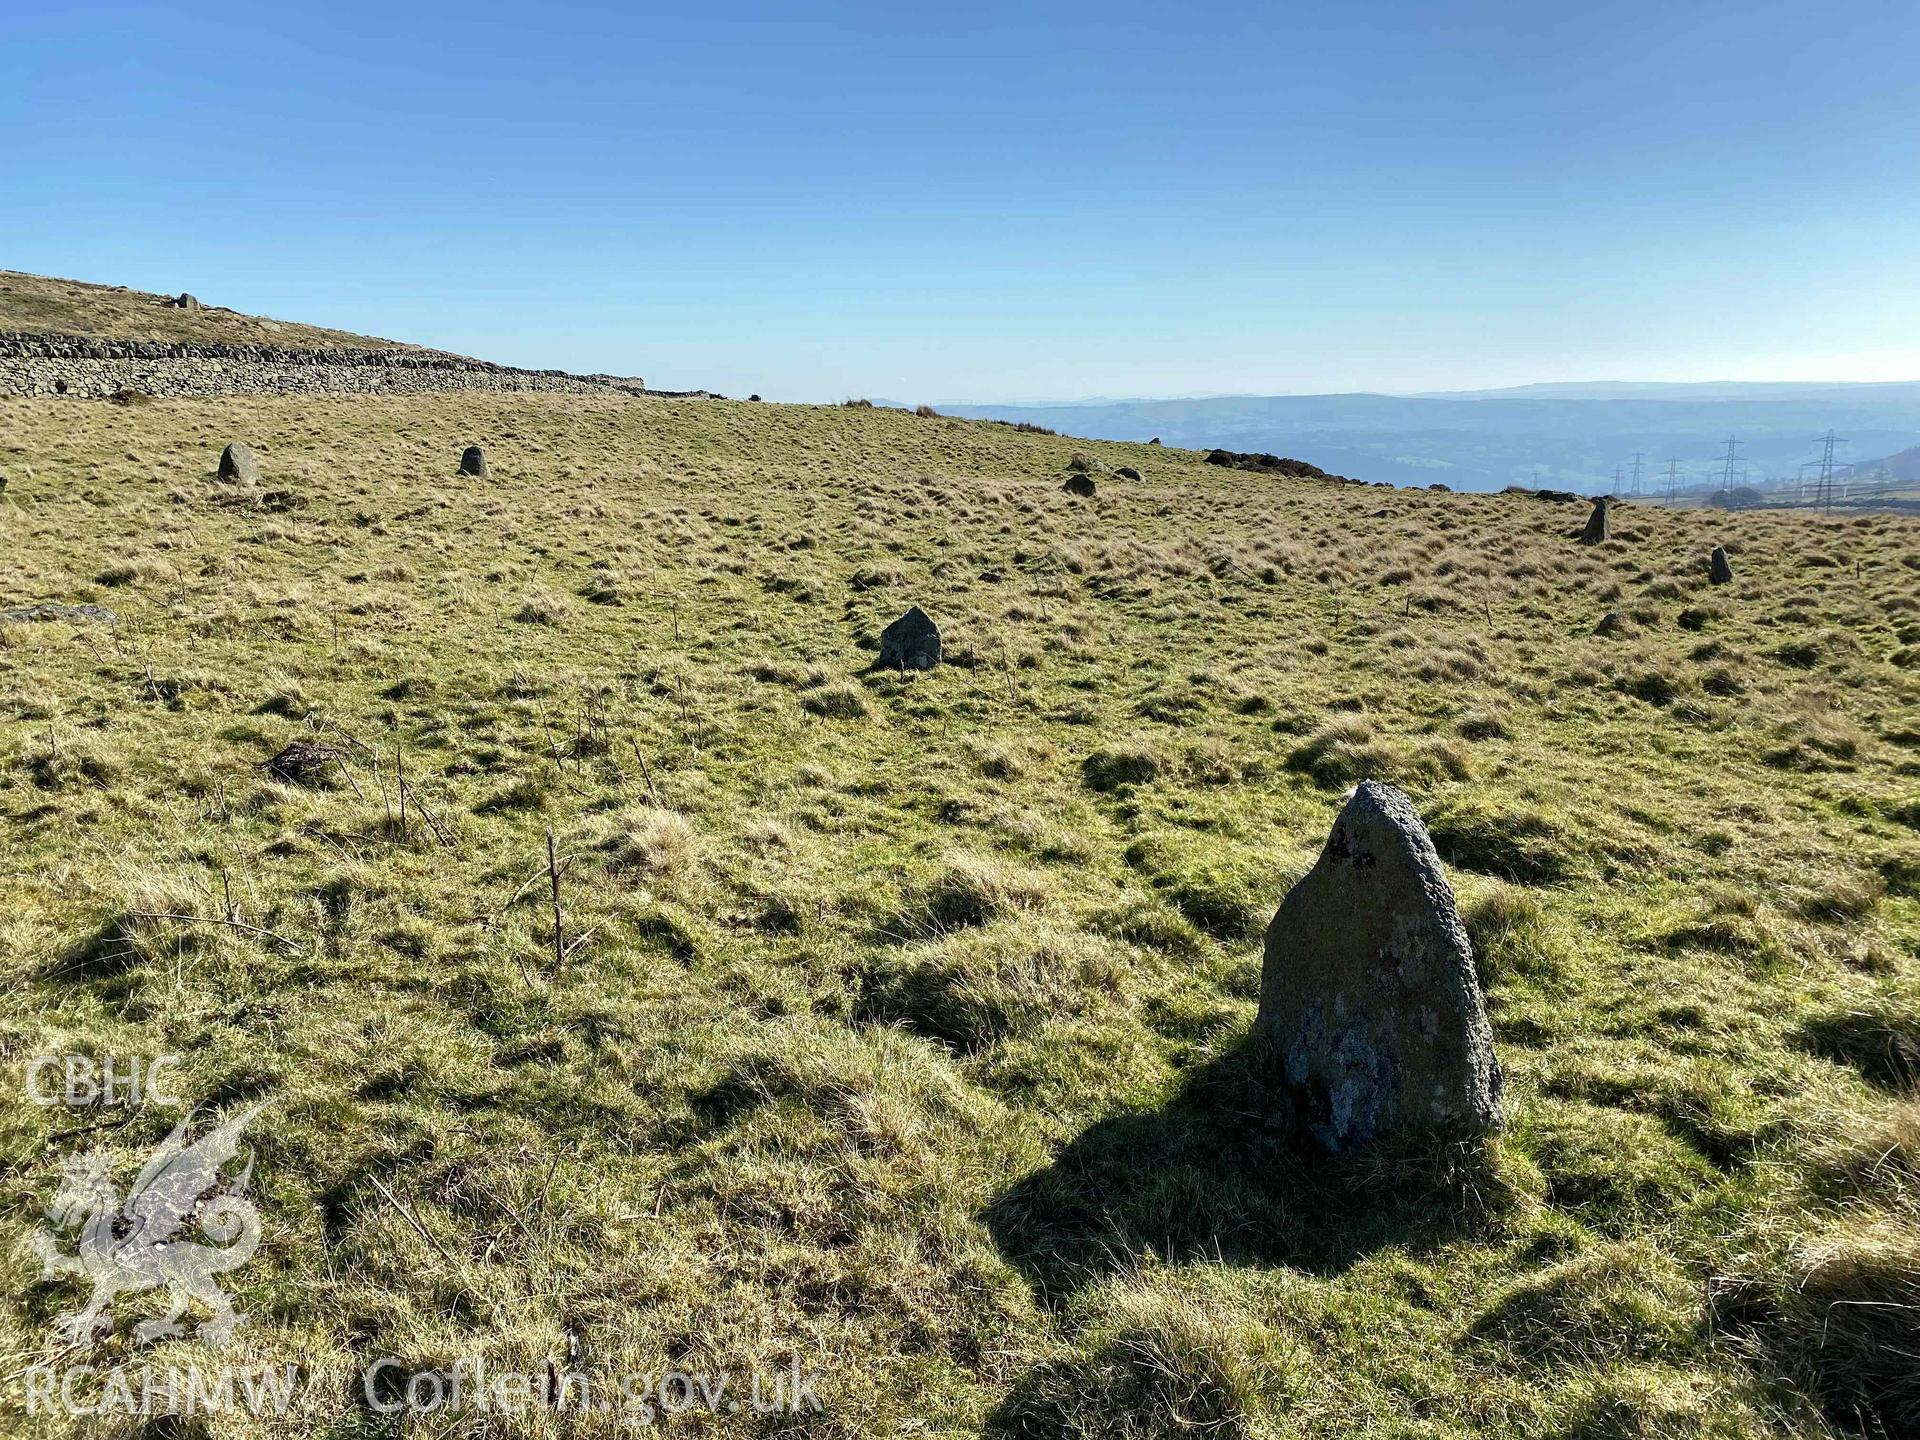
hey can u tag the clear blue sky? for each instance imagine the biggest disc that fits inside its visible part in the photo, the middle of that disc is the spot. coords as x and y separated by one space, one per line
998 201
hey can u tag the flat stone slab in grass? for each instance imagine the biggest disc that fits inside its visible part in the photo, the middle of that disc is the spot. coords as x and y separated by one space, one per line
910 643
1370 1007
47 611
238 463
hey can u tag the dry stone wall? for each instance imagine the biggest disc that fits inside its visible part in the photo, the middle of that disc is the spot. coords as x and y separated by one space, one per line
86 368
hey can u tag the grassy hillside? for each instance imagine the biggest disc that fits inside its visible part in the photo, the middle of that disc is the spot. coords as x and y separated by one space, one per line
897 1023
44 305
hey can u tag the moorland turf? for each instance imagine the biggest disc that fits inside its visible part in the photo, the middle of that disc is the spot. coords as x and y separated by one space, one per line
898 1020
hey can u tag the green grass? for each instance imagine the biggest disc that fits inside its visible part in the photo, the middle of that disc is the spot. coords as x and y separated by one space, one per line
901 1021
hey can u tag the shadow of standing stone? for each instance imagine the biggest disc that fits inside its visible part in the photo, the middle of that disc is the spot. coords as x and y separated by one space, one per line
1370 1007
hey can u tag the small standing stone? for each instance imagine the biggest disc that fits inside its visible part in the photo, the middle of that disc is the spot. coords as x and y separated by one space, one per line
1720 568
185 301
1370 1007
1081 484
238 464
910 643
1599 523
473 461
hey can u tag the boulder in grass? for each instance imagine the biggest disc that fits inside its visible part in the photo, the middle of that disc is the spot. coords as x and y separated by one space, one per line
473 461
910 643
1371 1020
1127 472
1081 484
1719 567
239 465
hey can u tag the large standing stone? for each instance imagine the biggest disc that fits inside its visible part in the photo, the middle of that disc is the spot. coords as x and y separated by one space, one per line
1370 1008
1719 567
237 463
1599 523
910 643
473 461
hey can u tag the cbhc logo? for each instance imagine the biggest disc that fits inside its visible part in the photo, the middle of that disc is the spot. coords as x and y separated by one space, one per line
81 1080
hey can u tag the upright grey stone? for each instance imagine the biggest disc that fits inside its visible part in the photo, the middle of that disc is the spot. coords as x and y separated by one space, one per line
1599 523
910 643
1720 568
184 301
237 463
1370 1008
473 461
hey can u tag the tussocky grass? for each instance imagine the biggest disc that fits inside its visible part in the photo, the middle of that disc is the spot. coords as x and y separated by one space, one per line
897 1022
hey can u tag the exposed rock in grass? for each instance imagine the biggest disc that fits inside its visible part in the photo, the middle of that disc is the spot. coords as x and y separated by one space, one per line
1369 1005
304 762
1719 567
1079 483
45 610
473 461
910 643
1127 472
239 465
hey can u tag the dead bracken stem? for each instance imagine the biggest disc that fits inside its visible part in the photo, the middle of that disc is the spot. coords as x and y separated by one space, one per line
559 927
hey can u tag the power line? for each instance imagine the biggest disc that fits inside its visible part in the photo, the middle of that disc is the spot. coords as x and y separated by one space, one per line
1824 494
1636 473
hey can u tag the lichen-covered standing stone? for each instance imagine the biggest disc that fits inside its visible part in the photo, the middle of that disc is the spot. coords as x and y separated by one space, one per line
473 461
910 643
1719 567
1370 1008
1599 523
237 463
